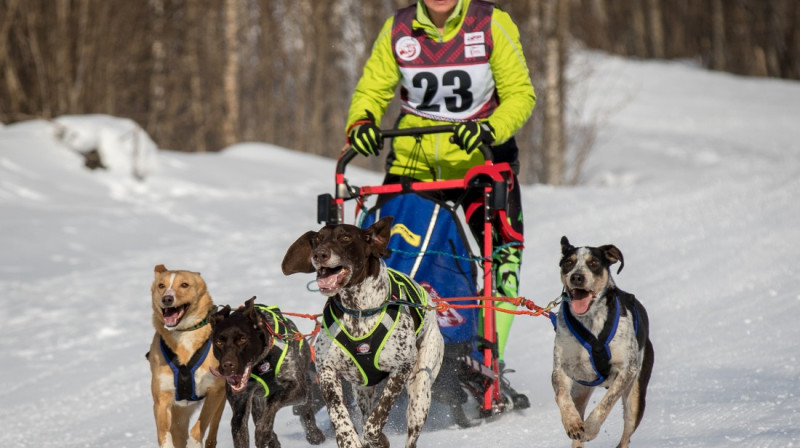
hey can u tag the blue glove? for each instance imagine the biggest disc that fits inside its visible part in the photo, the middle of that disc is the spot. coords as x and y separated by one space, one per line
470 135
365 137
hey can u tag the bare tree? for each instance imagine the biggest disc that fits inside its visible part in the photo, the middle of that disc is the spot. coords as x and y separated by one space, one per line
717 35
656 28
231 77
157 77
556 16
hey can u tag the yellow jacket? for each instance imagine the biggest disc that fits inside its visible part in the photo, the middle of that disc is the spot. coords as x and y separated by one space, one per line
442 159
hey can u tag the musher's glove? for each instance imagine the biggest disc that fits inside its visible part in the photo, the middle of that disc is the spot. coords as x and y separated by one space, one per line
365 137
470 135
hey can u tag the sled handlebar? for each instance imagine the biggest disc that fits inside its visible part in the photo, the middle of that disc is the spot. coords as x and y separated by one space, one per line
350 154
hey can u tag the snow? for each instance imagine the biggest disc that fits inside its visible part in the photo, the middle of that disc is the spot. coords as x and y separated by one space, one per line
694 177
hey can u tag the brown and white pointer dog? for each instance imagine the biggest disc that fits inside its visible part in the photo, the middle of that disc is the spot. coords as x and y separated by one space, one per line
266 368
181 361
602 340
403 350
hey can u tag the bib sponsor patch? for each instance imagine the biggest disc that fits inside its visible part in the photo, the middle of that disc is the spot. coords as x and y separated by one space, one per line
473 38
407 48
475 51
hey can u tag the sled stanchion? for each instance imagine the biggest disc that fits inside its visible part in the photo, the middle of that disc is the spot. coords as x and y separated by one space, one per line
493 181
490 351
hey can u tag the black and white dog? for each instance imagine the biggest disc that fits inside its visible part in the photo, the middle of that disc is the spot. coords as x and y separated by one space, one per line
266 368
369 338
602 340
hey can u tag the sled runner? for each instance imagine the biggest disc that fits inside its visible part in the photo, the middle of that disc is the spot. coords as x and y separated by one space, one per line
431 243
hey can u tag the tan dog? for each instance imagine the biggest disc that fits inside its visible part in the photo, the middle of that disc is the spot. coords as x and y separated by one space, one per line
181 360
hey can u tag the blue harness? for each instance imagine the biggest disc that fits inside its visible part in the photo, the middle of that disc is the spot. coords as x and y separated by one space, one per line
184 374
599 352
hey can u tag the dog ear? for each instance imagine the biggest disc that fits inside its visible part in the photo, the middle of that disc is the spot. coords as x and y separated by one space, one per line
613 255
378 235
159 269
298 257
250 310
219 315
566 247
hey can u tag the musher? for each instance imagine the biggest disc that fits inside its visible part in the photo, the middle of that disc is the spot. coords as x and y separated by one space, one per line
457 62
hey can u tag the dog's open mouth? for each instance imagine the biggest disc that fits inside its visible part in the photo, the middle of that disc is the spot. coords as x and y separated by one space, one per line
330 280
580 300
237 382
173 315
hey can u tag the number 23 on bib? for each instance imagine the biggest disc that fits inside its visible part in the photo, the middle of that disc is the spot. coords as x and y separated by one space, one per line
450 80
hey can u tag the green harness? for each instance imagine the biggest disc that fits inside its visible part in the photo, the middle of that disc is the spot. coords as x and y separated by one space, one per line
402 291
269 368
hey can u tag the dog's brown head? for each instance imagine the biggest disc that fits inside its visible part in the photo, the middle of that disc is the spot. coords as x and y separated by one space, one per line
586 273
342 255
239 340
180 298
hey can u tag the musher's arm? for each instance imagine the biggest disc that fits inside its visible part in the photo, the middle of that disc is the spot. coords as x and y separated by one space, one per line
375 88
511 77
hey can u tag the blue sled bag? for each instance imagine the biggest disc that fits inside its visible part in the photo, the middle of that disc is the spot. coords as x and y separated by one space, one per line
428 243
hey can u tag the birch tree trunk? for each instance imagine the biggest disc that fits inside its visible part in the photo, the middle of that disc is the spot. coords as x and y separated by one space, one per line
195 77
157 77
656 29
639 27
555 13
231 74
717 35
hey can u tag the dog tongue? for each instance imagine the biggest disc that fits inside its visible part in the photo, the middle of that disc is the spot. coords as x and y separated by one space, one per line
328 282
580 306
581 300
172 316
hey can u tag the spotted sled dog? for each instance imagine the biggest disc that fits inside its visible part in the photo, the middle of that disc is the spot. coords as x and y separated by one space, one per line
602 340
369 338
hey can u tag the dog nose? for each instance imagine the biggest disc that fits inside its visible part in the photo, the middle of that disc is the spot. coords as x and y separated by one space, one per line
227 366
577 279
167 301
321 256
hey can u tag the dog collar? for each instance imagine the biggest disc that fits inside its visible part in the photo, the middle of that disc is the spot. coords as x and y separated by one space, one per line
201 324
359 313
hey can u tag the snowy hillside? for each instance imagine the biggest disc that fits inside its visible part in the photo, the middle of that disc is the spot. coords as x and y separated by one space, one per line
695 178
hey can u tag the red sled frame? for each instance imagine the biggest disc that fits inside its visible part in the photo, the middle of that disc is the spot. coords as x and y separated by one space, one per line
496 180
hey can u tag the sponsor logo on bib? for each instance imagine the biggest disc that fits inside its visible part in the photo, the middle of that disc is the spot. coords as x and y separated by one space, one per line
475 51
473 38
407 48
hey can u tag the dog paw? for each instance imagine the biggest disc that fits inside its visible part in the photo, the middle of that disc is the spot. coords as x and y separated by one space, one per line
591 428
575 429
315 436
380 441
